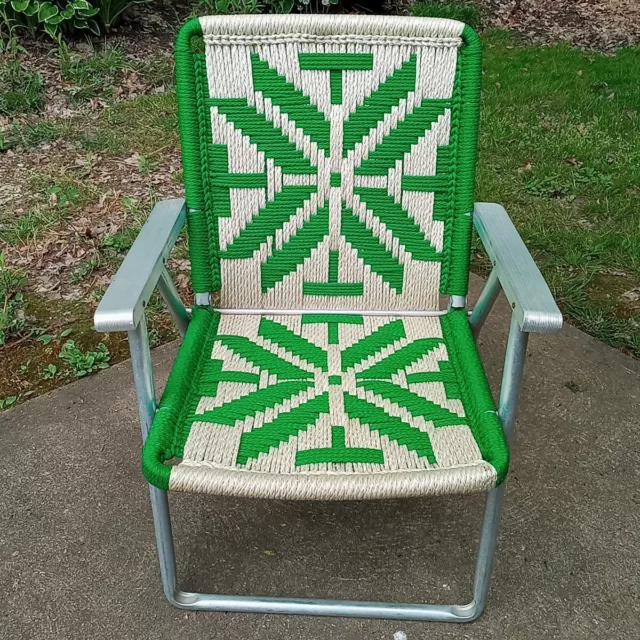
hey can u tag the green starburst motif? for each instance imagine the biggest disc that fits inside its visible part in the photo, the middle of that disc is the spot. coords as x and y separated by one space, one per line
290 383
339 170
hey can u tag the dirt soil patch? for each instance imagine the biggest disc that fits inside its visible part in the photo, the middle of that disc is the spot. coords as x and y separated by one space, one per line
592 24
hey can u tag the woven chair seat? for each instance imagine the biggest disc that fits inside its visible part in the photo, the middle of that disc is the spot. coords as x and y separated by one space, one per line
329 165
326 406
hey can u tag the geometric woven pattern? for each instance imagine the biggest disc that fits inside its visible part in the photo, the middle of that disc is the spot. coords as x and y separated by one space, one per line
334 171
329 167
278 404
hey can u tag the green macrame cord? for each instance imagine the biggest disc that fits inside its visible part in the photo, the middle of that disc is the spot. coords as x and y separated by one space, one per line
292 404
337 179
209 184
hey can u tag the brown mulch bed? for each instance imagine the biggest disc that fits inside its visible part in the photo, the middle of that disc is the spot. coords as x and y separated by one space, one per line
592 24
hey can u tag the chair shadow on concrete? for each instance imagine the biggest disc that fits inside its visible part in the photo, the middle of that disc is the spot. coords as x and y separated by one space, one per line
380 550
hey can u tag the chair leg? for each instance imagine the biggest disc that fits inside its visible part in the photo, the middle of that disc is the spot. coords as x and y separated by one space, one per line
164 541
487 547
511 381
317 607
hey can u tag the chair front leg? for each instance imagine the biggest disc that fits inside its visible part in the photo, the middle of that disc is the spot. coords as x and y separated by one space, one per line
146 395
507 407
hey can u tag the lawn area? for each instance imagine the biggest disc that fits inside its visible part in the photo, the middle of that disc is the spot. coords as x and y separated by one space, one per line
559 147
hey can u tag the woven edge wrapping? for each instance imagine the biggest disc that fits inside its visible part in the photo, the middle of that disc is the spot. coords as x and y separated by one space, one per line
331 25
205 478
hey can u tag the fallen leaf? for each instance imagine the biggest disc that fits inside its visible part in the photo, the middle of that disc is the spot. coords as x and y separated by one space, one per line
632 295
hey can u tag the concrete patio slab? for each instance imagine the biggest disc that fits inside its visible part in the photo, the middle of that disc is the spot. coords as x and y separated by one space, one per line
77 556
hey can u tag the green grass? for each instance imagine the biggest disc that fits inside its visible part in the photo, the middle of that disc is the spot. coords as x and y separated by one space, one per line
103 71
560 148
57 197
21 90
463 10
93 76
13 321
62 192
147 125
30 226
30 135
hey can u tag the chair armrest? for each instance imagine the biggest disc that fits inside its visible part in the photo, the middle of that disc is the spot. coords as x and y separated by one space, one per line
124 302
533 305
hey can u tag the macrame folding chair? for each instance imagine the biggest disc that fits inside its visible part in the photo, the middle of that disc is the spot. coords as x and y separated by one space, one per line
329 167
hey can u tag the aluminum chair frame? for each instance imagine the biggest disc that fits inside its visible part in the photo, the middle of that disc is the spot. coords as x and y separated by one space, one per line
533 310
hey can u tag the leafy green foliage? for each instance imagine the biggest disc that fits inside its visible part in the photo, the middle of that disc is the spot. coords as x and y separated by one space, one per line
84 362
230 6
225 7
58 17
282 6
53 17
146 166
50 372
21 90
9 28
84 269
63 196
9 401
110 11
119 242
463 10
